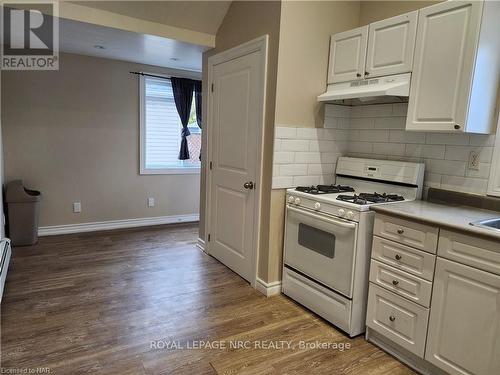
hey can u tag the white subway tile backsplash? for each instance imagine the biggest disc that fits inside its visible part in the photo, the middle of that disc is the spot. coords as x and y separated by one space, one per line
294 145
463 153
362 123
335 110
482 140
307 133
447 167
391 149
280 182
283 157
377 132
446 139
401 136
373 135
308 157
282 132
482 172
389 123
306 180
320 169
360 147
293 169
425 151
465 184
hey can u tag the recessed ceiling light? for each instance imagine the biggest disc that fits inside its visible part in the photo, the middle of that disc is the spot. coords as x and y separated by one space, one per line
98 46
174 58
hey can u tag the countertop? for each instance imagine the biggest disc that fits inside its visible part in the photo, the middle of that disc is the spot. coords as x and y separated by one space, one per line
443 215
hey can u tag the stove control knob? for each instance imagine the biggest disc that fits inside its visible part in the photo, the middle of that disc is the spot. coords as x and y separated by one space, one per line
341 212
291 199
297 201
317 206
349 215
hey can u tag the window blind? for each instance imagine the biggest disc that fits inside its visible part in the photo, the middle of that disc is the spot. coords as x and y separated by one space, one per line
162 125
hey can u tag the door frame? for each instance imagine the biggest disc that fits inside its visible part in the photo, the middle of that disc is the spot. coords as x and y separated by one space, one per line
260 45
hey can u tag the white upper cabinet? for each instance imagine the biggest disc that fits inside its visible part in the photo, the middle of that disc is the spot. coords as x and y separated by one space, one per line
347 55
456 68
391 43
464 326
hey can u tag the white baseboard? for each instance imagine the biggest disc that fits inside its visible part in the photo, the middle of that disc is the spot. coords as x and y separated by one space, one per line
200 244
116 224
268 289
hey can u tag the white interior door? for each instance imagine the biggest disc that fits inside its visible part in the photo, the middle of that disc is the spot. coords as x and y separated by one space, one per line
236 118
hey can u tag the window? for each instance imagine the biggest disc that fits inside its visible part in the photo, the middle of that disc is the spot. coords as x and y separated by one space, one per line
161 131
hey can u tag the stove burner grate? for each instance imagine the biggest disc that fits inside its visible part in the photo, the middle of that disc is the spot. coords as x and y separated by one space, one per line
324 189
366 198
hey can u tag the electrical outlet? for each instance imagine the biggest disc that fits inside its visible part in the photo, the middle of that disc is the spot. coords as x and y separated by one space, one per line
151 202
77 207
474 160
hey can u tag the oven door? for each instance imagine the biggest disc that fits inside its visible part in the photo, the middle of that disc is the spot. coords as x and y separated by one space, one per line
321 247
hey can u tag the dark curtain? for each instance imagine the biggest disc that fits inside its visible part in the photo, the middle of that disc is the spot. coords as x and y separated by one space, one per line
183 97
197 101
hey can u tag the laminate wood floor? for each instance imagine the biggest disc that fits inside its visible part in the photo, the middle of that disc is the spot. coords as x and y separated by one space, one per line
119 302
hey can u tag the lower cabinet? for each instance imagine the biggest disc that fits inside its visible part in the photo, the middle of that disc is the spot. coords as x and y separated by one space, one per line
464 325
398 319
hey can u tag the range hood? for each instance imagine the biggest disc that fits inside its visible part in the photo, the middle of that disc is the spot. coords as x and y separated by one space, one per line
368 89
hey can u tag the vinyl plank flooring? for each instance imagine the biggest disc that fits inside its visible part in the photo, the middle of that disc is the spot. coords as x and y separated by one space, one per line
93 304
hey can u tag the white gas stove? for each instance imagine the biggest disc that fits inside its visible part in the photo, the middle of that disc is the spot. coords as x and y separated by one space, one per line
329 233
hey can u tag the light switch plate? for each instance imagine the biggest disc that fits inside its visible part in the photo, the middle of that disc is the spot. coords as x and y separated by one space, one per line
77 207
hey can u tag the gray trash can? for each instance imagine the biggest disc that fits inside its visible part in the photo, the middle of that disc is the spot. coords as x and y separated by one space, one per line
23 206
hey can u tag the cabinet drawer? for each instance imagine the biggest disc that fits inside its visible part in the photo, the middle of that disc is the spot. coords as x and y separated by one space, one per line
408 259
402 321
414 288
419 236
470 250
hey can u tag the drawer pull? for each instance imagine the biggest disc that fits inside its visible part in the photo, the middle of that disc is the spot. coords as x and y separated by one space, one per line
395 282
401 231
397 256
392 318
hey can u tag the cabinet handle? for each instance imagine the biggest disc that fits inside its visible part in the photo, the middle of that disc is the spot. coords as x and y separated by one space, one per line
392 318
367 73
397 256
401 231
358 75
395 282
457 127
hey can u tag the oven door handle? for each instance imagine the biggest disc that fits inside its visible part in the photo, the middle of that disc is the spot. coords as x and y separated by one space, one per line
323 218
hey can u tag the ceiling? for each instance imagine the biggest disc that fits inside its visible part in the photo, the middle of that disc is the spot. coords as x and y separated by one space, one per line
201 16
81 38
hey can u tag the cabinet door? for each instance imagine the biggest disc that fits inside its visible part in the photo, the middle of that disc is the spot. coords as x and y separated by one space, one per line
464 326
446 44
347 55
391 43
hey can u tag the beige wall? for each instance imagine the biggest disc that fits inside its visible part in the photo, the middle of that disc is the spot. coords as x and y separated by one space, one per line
74 135
305 32
372 11
244 21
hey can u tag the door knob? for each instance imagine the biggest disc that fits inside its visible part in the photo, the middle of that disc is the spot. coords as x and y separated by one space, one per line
401 231
248 185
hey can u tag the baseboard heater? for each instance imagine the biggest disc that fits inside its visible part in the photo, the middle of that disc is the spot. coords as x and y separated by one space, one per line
4 262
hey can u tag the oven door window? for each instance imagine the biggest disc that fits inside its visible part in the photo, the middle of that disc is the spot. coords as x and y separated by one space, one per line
317 240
